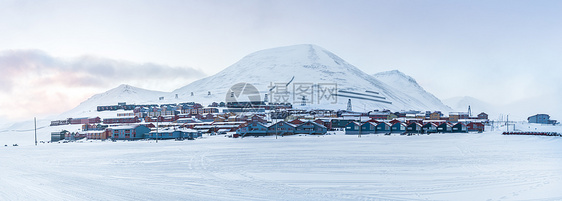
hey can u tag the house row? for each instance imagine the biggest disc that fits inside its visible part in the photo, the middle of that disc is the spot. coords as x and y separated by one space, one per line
82 120
164 134
282 128
355 128
137 132
130 132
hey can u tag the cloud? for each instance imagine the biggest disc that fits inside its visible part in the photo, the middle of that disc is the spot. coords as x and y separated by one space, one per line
34 83
86 71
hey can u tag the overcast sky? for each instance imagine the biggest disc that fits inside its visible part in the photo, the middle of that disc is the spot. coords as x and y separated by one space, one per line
56 54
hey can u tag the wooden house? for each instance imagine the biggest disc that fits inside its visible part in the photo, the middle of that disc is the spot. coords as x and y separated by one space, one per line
475 126
281 128
482 116
353 128
253 129
369 128
429 128
414 127
460 128
444 127
398 127
383 127
311 127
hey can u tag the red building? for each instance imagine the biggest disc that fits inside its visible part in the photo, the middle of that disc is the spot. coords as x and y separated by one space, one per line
475 126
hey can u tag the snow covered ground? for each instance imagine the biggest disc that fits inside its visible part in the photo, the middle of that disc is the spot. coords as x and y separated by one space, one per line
486 166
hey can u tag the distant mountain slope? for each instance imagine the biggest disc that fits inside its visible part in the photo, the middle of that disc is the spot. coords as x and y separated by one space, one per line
298 64
408 85
308 64
122 93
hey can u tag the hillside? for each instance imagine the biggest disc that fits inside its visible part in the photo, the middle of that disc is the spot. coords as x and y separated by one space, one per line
408 85
307 64
299 65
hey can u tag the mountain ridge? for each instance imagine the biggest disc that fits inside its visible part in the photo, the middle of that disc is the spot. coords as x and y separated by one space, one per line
305 63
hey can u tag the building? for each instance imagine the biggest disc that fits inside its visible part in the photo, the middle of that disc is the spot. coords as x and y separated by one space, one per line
121 120
164 118
281 128
328 124
475 126
383 127
445 127
253 129
97 134
460 128
340 123
455 116
311 128
369 128
414 127
429 128
353 128
482 116
541 119
435 115
57 136
398 127
134 132
179 134
85 120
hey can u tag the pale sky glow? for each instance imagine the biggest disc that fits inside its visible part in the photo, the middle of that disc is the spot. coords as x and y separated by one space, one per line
503 52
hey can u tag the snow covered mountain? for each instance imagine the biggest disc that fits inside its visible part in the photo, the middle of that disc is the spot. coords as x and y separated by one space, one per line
289 69
314 65
122 93
408 85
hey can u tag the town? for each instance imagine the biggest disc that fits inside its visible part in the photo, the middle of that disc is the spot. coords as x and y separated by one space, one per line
191 120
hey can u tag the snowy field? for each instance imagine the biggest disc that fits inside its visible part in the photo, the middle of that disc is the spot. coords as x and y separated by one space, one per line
486 166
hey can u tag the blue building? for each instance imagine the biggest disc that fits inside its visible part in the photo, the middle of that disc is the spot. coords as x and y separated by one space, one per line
369 128
174 134
253 129
429 128
460 128
311 128
134 132
414 127
445 127
398 127
383 127
281 128
541 119
352 128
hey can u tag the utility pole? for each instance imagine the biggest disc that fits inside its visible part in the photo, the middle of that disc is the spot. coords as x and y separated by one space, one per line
157 120
35 122
507 123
